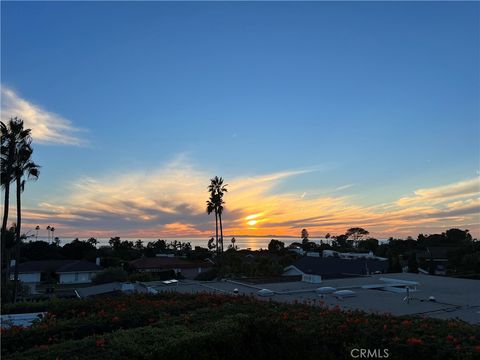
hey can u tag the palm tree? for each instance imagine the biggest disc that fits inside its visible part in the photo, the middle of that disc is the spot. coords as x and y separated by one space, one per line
48 233
52 229
36 232
12 135
23 167
217 189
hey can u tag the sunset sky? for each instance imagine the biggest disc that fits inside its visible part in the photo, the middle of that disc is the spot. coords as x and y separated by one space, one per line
318 115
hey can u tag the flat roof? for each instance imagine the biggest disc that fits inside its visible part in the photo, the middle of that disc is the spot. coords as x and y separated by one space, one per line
455 298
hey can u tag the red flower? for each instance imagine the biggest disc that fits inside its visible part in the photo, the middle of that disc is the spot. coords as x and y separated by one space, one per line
450 338
343 327
414 341
115 319
407 323
285 315
385 327
100 342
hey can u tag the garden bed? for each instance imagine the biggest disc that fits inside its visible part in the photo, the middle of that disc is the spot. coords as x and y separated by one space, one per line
204 326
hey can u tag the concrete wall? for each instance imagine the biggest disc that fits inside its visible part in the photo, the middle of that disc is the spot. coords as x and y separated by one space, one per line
27 277
76 278
192 273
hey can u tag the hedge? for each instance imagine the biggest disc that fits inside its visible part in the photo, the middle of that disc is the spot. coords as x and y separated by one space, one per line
175 326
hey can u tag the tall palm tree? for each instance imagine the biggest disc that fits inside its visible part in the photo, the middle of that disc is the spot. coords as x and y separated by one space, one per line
48 233
23 167
36 232
52 229
217 189
12 134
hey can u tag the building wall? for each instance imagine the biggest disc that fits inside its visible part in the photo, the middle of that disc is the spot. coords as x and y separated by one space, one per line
292 271
192 273
76 278
314 279
27 277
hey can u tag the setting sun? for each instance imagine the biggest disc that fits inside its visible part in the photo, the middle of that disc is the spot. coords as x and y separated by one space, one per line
252 222
250 217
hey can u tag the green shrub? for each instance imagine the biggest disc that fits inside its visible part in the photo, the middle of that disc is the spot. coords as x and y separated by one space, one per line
207 275
110 275
207 326
141 276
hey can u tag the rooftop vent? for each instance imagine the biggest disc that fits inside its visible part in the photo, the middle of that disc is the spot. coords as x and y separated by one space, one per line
265 292
325 290
341 294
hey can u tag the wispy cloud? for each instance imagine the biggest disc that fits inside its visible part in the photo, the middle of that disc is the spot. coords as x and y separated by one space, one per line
344 187
170 202
440 194
47 127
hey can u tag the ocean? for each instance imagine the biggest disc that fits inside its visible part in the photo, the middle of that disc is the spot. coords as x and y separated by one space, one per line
242 242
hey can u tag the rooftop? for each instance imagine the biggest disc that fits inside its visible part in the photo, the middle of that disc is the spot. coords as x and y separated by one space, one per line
455 298
330 267
168 263
58 266
110 288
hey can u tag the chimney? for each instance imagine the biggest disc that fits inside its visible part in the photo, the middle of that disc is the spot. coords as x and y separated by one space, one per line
12 262
97 261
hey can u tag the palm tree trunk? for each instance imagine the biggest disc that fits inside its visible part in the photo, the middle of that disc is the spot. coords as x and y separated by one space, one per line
216 231
17 245
4 228
221 230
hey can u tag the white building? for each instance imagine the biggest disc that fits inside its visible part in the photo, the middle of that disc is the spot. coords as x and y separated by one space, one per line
349 255
61 271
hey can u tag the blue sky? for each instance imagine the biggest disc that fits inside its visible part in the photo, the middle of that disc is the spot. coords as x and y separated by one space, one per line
379 99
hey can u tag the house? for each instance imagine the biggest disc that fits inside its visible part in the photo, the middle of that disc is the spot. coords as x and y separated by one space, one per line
439 256
61 271
188 268
349 255
114 288
332 267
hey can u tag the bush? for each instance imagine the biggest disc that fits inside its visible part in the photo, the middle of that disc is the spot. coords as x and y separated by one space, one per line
175 326
141 276
207 275
110 275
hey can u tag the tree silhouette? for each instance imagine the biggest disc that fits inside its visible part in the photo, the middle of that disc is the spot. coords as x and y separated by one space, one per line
36 232
23 168
12 136
304 235
356 232
215 204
